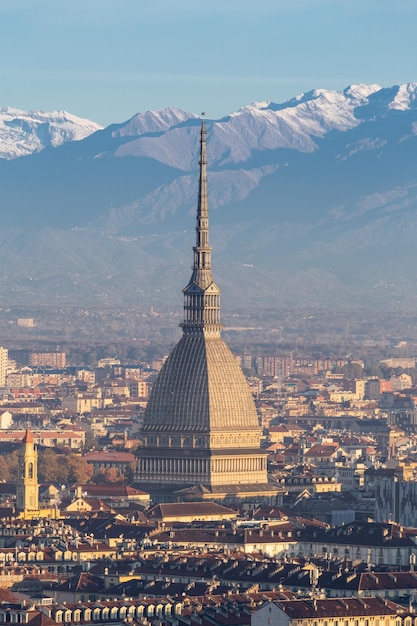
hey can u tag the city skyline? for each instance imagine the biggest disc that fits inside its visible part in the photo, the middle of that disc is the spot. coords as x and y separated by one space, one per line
107 63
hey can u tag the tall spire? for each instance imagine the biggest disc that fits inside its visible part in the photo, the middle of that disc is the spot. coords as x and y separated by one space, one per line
202 275
201 295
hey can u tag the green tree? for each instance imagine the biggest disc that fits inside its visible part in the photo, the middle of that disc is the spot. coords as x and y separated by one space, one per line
13 464
63 468
110 475
51 467
374 370
99 478
90 441
79 471
352 371
4 469
413 373
129 474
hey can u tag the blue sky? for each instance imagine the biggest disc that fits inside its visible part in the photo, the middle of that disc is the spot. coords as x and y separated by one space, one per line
107 60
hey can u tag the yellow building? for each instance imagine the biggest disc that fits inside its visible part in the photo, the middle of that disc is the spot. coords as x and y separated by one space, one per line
27 489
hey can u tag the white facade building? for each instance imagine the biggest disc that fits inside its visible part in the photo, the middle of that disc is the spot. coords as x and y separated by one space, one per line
4 356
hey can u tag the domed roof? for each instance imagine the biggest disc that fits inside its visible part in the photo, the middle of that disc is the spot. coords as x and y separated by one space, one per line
200 425
201 388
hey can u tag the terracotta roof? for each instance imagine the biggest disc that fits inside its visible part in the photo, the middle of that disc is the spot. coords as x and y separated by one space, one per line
322 450
188 509
40 619
335 607
83 582
115 491
28 437
276 446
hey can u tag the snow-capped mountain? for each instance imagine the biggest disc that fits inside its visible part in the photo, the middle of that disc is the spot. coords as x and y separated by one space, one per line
26 132
311 200
261 126
152 122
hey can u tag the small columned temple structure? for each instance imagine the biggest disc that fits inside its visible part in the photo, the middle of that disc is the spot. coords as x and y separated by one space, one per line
201 431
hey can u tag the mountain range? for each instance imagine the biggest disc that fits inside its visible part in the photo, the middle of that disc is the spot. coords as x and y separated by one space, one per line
313 202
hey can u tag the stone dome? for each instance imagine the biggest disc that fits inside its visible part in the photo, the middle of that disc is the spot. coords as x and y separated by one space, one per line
201 388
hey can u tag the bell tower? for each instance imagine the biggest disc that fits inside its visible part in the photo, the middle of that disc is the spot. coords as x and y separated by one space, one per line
27 492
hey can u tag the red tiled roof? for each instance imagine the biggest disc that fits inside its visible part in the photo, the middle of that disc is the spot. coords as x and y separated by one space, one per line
335 607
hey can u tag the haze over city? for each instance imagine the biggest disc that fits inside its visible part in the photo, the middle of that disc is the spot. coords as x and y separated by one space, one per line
208 322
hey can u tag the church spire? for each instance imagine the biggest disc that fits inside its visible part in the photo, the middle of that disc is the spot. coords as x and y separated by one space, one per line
27 487
201 295
28 437
202 275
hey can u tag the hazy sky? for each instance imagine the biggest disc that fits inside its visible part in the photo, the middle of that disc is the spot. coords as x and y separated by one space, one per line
107 59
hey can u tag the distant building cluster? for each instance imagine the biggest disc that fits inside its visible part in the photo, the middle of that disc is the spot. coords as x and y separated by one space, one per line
180 493
48 359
